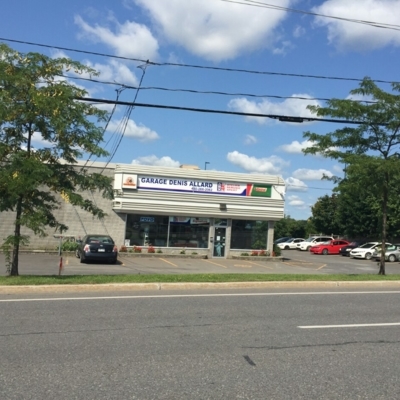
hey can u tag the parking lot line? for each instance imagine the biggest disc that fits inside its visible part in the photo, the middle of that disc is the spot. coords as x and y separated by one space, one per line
322 266
219 265
259 265
168 262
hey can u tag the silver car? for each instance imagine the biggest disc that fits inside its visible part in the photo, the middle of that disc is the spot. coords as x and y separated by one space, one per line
392 253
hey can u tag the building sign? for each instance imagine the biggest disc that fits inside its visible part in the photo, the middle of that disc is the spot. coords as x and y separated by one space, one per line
201 186
146 219
129 181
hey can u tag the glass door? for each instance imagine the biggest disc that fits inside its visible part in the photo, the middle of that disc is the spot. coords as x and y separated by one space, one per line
219 242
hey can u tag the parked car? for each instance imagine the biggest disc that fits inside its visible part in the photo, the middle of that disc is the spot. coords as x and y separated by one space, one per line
365 251
345 250
282 239
392 253
97 248
312 241
290 244
331 247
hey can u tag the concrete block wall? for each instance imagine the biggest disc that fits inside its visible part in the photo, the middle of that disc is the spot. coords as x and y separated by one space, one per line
79 221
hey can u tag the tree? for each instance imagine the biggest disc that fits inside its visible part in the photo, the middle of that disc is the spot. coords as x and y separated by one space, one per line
325 215
288 226
371 142
36 100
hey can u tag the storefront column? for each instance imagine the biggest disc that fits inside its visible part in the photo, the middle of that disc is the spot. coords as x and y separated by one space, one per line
270 236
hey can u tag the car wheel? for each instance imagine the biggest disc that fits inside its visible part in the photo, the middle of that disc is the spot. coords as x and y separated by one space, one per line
392 258
287 247
325 252
81 259
308 248
368 256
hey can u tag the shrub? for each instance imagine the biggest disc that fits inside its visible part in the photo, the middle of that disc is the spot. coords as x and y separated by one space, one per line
254 253
137 249
68 246
194 252
151 249
263 253
182 252
244 254
159 251
123 249
277 251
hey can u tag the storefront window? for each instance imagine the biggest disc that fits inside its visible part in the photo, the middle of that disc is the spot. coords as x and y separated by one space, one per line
146 230
167 231
188 232
249 234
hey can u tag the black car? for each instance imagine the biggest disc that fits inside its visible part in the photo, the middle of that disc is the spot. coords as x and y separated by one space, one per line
282 239
97 248
345 250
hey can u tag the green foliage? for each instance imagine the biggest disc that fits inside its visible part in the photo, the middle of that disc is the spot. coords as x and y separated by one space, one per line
288 226
69 246
159 251
182 252
369 148
244 254
33 99
325 218
277 251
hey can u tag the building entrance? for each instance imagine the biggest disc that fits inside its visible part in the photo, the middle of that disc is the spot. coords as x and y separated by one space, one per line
219 242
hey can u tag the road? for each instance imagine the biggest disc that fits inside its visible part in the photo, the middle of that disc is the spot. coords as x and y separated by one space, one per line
201 345
295 262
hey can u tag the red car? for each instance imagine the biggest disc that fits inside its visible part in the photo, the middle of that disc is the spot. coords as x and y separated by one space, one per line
331 247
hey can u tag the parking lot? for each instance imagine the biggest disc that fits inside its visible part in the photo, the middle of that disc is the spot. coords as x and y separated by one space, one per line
294 262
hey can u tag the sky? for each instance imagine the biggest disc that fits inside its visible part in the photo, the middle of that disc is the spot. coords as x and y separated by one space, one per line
271 57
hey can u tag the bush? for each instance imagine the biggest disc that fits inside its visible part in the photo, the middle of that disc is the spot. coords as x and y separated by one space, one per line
159 251
151 249
182 252
123 249
137 249
194 253
244 254
277 251
254 253
69 246
263 253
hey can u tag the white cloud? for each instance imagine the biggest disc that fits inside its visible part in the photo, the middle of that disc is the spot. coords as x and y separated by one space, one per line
165 161
298 31
250 139
296 147
139 132
311 174
130 39
295 185
338 168
268 165
296 201
290 107
360 37
115 71
215 30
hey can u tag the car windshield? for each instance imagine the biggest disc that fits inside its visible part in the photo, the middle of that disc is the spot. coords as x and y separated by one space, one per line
310 239
100 239
368 245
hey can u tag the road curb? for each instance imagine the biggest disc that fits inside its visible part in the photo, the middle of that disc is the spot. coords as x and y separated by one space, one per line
192 286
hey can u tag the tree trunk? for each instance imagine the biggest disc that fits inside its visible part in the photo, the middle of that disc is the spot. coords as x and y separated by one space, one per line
384 227
17 238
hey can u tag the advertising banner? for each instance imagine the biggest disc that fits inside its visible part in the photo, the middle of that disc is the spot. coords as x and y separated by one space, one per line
201 186
129 181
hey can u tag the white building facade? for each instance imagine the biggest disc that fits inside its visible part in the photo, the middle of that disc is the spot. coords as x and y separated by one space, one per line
185 209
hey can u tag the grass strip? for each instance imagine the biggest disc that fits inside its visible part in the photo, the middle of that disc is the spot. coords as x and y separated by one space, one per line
160 278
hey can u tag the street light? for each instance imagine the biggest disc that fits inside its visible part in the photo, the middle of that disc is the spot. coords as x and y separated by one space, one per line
205 164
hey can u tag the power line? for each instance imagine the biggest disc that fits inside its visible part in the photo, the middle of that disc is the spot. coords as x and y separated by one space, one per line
223 69
282 118
260 4
194 91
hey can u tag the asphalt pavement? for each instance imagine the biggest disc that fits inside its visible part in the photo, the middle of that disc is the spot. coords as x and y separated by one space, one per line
294 262
232 344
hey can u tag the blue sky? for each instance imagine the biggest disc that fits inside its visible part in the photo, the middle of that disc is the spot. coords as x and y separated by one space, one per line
289 46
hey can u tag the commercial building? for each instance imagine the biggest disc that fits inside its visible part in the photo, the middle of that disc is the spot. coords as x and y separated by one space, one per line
208 212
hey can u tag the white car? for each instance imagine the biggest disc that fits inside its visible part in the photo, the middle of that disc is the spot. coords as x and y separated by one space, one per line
290 244
312 241
366 250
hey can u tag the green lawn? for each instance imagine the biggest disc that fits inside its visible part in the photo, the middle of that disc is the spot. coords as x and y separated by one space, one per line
103 279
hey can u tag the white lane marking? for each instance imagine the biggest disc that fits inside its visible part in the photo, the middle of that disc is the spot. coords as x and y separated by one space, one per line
348 326
160 296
